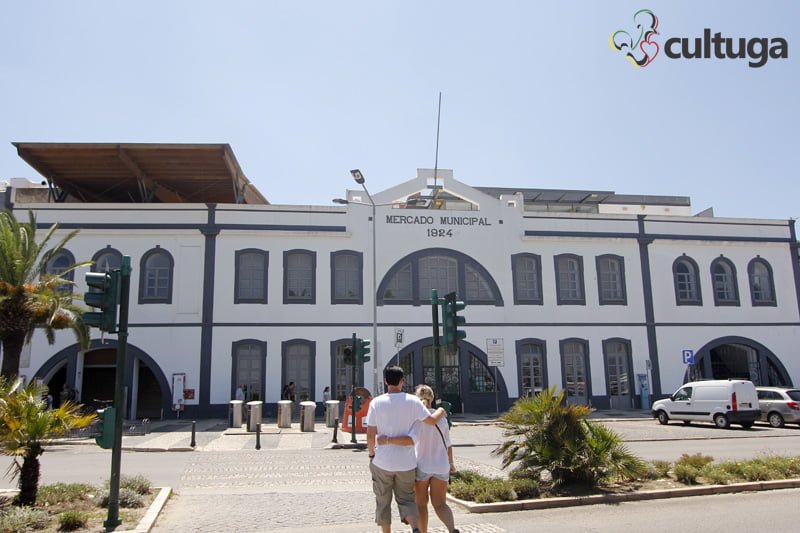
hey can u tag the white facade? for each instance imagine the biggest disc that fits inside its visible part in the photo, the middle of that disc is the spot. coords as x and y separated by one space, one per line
203 326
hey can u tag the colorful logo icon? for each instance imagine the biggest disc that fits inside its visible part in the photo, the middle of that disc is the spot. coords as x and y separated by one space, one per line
642 50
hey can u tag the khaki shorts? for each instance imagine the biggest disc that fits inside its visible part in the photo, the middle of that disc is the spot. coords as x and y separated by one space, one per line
384 483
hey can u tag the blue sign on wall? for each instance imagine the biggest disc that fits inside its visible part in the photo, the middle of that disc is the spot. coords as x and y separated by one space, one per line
688 357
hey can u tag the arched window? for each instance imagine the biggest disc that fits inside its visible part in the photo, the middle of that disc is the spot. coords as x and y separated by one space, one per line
58 264
252 267
299 277
762 284
298 367
480 379
155 278
106 260
526 272
575 371
611 280
723 275
249 363
398 288
411 279
346 277
687 282
437 272
532 364
569 280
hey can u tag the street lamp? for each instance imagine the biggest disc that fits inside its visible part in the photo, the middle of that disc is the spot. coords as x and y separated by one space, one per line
359 178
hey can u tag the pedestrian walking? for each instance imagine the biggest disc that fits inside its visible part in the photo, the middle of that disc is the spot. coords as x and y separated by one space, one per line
326 393
393 466
434 452
239 395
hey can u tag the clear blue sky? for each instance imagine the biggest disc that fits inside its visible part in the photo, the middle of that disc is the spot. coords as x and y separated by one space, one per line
533 95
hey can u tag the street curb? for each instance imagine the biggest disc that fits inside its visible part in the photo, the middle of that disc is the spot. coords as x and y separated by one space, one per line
552 503
149 519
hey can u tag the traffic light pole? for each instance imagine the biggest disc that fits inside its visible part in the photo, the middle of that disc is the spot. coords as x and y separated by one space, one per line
112 521
353 392
437 370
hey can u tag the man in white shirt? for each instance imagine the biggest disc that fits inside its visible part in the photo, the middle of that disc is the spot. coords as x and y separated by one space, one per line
393 467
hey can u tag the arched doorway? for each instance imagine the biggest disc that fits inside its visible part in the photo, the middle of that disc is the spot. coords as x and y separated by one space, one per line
93 374
740 357
467 381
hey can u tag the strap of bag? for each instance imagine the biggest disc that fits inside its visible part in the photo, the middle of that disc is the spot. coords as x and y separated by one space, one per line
441 435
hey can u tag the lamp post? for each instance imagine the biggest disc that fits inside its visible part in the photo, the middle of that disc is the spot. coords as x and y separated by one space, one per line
359 178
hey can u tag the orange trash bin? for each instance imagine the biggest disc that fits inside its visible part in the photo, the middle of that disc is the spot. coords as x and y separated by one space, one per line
361 414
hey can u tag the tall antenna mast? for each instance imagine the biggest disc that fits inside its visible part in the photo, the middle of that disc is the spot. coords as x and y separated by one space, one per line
436 159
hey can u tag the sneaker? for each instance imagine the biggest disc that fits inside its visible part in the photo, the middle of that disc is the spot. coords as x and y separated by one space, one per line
415 530
455 531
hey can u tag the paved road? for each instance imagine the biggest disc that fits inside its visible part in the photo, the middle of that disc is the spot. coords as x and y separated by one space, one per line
295 483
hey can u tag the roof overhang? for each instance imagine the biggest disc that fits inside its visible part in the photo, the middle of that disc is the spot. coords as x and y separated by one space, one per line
141 172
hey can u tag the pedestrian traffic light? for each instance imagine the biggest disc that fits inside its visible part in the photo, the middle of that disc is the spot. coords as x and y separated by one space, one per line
106 423
452 320
362 350
357 402
105 297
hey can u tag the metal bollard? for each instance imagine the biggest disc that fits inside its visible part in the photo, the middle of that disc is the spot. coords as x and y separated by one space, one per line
335 429
194 427
258 436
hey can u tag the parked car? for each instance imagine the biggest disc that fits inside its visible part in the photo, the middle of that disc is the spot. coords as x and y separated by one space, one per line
779 405
721 401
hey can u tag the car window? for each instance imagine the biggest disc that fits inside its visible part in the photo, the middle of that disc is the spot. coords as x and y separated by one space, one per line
763 395
683 394
794 395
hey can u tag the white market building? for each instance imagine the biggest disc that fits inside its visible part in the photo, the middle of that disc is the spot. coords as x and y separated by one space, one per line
595 292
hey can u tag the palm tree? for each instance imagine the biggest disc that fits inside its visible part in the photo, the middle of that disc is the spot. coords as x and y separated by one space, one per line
544 434
29 298
25 426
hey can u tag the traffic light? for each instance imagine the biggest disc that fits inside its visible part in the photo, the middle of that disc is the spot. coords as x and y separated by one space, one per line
349 359
105 427
357 402
452 320
350 352
362 349
105 297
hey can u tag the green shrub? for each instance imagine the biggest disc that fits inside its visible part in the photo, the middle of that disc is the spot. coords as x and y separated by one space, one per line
662 468
686 474
481 489
62 493
72 520
715 474
468 476
785 467
475 487
756 470
544 434
127 498
696 461
137 483
526 488
20 519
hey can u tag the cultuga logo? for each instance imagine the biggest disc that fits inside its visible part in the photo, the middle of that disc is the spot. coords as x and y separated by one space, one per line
640 48
643 50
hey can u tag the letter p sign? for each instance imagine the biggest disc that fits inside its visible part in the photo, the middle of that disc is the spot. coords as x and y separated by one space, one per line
688 357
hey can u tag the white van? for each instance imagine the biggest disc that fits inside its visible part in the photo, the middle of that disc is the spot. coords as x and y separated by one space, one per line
721 401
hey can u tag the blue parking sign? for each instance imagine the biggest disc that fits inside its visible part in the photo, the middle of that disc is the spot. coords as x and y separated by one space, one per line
688 357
